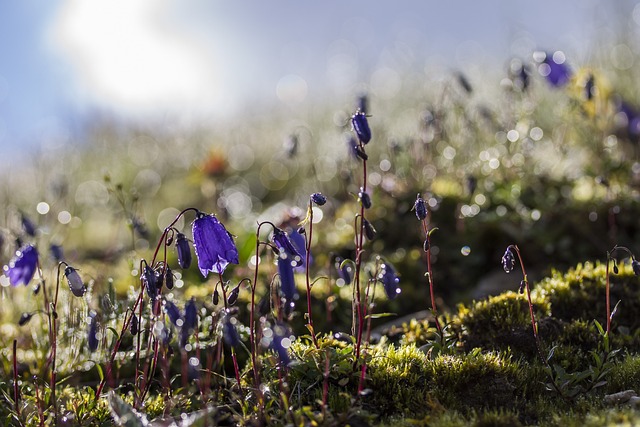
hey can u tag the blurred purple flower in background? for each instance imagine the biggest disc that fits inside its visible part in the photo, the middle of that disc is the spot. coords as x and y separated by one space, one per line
553 67
23 266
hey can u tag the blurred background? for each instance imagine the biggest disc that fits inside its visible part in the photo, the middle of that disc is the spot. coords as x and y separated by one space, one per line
178 63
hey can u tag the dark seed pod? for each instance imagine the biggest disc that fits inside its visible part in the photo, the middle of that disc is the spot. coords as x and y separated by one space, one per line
25 318
361 127
184 251
615 268
364 198
216 297
134 327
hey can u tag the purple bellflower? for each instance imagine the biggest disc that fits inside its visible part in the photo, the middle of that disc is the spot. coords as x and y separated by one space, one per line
92 333
280 342
361 127
389 280
229 331
173 312
75 282
284 244
319 199
214 246
23 266
287 280
553 67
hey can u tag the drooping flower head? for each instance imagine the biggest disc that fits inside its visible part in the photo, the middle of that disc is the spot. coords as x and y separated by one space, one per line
173 312
361 127
214 245
345 271
508 260
75 282
390 280
284 244
364 198
287 280
319 199
23 266
92 332
420 207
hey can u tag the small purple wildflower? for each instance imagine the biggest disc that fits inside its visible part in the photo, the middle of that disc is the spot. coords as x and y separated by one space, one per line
508 260
173 313
360 126
280 343
214 246
420 207
75 282
190 315
287 280
284 244
184 251
389 280
299 243
149 282
23 266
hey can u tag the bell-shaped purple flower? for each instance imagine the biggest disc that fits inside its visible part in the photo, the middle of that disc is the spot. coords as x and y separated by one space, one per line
299 243
173 312
361 127
23 266
190 315
75 282
229 331
284 244
287 280
280 342
149 282
389 280
508 260
214 246
184 252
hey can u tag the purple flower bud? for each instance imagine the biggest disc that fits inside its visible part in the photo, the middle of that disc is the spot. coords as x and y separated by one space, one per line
318 198
75 281
25 318
172 312
523 285
216 297
92 334
149 282
287 280
278 344
134 328
344 272
369 231
636 267
360 126
284 244
184 251
364 198
389 280
508 261
168 277
23 266
420 207
232 298
214 246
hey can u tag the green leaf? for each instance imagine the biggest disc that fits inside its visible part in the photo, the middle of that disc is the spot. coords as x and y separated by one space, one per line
379 315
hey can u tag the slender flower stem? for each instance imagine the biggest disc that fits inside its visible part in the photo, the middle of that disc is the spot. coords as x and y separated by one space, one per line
608 283
307 260
16 388
252 319
434 309
359 251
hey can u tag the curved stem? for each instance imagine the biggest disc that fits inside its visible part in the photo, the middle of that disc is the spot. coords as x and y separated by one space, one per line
307 260
434 309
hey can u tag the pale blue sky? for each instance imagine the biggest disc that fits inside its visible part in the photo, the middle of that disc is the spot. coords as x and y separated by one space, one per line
187 59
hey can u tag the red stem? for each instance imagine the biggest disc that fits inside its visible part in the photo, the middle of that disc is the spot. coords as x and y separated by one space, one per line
307 259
